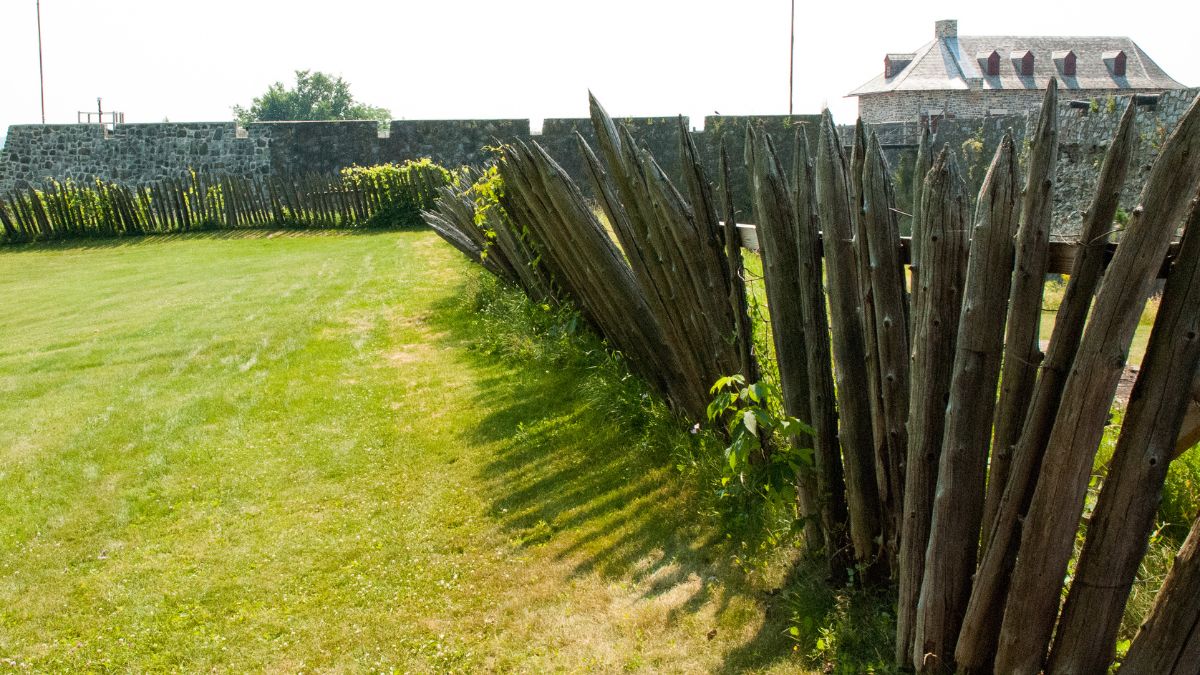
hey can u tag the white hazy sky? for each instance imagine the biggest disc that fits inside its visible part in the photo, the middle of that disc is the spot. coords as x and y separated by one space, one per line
192 61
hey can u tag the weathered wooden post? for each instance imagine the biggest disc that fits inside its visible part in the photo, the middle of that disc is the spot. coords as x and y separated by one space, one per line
1033 600
1021 351
885 275
849 351
1124 516
831 483
944 239
781 276
888 515
958 502
981 626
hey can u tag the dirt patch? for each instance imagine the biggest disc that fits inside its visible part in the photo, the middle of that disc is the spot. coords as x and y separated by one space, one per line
398 358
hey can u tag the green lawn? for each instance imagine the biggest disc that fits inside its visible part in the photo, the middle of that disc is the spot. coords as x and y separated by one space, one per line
281 452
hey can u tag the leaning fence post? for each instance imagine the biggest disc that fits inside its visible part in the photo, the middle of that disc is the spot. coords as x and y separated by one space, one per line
958 503
1033 600
938 300
849 350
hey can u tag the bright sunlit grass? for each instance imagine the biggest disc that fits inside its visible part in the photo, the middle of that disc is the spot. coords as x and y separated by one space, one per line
283 452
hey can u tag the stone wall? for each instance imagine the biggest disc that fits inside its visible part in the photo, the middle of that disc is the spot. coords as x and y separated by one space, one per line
129 152
1084 136
140 153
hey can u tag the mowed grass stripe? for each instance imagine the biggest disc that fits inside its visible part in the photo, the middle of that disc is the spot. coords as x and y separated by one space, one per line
237 452
209 448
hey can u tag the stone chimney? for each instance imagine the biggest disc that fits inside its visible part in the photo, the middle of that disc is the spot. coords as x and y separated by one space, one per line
946 28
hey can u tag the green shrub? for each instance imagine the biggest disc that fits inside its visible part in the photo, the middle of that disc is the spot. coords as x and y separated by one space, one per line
397 193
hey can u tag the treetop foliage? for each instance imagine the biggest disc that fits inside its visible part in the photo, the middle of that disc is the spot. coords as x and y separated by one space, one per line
316 96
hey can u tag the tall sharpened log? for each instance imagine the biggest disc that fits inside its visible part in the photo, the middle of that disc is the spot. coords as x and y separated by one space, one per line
1120 526
831 483
1032 604
885 274
981 627
723 247
944 239
888 515
1021 350
736 289
921 168
849 351
958 503
685 277
781 276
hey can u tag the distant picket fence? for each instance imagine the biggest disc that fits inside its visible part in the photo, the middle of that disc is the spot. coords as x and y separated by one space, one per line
390 195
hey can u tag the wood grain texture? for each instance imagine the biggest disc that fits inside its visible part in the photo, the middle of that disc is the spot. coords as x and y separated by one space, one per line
938 301
981 626
1120 527
1033 600
849 351
1022 354
958 503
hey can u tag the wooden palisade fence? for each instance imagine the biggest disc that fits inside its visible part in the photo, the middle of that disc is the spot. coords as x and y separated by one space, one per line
389 195
951 456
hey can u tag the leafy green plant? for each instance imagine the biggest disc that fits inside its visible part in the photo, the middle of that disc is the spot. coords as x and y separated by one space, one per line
762 460
846 630
398 192
745 411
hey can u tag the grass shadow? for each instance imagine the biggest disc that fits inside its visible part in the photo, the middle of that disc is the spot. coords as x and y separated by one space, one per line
603 497
126 241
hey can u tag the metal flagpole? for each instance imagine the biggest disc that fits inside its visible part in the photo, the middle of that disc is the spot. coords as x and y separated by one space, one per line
791 56
41 67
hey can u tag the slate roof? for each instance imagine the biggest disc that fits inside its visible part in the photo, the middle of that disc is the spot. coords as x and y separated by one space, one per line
950 63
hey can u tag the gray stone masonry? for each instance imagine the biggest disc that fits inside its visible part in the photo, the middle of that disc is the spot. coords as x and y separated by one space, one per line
141 153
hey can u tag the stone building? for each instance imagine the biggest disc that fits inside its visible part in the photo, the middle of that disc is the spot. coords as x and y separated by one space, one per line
979 76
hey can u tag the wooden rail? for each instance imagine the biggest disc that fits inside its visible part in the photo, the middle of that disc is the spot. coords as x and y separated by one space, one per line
1062 253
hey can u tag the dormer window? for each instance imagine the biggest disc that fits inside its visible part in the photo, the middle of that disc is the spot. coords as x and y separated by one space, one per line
989 63
1064 61
1115 61
1023 62
894 63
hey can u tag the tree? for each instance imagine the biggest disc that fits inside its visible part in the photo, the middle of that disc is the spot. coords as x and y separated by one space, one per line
316 96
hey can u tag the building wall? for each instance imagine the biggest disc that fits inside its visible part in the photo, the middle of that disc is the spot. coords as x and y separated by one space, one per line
911 105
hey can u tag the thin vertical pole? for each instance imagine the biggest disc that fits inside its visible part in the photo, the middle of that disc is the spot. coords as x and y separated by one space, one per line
791 57
41 67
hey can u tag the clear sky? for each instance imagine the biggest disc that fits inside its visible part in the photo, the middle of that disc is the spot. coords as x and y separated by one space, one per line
192 61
